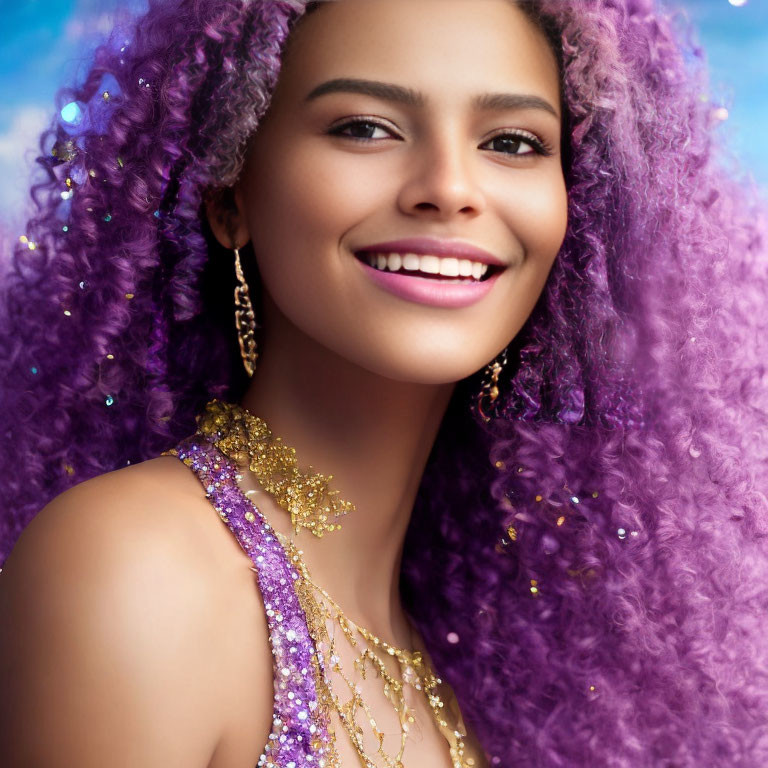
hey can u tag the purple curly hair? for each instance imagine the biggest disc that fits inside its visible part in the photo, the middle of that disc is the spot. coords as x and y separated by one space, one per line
598 546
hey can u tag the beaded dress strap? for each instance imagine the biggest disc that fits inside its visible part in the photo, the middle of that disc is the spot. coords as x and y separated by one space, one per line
300 734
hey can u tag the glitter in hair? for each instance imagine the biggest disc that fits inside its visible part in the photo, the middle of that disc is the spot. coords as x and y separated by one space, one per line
588 569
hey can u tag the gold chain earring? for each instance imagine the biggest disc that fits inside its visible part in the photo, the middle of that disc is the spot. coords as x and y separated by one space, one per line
490 389
245 322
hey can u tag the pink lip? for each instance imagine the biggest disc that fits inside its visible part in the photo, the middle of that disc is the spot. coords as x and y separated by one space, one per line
425 290
436 247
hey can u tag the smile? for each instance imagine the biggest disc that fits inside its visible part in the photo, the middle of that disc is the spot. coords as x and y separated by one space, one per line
427 264
427 279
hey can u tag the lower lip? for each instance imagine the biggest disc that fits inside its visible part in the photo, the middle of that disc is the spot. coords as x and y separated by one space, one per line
425 290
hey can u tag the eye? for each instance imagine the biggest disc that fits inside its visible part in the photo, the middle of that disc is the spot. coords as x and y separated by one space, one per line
508 143
511 142
359 129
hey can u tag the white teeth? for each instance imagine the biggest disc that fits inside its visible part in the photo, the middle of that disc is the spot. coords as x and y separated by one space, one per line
448 266
411 261
429 264
394 262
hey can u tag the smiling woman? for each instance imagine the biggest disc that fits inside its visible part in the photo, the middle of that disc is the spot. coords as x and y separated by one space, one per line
490 287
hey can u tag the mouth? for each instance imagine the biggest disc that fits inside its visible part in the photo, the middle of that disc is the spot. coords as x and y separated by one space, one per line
430 267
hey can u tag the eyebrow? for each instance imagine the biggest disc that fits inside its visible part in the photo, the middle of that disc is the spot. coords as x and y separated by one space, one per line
412 98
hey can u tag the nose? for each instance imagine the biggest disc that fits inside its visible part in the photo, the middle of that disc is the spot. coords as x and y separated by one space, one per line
441 180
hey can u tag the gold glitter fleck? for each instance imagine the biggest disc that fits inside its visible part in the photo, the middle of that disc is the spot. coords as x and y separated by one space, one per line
110 357
105 95
68 182
519 469
129 296
500 465
92 173
560 520
23 239
591 687
538 497
595 494
67 313
249 516
120 161
512 532
69 469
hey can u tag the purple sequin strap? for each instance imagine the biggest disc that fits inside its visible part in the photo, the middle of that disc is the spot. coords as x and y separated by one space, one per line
300 731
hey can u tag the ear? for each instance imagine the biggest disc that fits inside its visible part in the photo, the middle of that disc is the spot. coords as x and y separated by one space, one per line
224 209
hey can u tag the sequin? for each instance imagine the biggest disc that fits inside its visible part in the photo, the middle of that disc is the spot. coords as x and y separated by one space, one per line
109 400
33 369
71 113
108 217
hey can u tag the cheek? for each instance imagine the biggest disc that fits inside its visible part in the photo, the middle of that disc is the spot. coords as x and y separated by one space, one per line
538 215
307 194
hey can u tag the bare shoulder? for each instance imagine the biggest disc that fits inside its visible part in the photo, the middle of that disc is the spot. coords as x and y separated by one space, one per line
117 604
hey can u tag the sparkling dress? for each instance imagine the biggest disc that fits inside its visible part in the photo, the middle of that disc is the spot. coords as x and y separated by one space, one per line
300 735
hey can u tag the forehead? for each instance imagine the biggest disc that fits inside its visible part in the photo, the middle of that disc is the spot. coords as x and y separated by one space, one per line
443 48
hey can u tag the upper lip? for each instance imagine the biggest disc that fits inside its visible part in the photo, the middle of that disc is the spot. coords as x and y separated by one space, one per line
436 247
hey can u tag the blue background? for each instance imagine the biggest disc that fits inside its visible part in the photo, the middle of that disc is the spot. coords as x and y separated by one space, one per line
47 43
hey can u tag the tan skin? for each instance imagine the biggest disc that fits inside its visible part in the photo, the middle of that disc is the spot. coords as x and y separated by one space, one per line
133 626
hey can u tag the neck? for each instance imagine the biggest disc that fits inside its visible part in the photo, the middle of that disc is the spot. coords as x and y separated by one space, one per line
374 435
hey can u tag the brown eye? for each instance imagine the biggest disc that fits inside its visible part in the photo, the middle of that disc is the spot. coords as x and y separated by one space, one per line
358 129
518 145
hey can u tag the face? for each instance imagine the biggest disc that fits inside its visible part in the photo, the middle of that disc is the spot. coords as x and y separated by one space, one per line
339 168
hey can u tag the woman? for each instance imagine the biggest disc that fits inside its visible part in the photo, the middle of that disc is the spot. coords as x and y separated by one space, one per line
570 534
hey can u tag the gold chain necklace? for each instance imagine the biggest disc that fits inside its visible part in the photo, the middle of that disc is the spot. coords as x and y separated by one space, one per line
248 441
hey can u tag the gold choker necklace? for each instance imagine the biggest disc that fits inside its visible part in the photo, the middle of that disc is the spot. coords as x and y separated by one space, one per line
247 440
